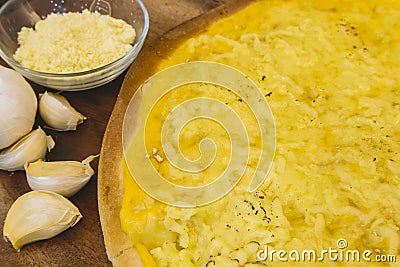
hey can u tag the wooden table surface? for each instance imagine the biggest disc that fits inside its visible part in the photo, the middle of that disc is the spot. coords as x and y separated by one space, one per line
83 244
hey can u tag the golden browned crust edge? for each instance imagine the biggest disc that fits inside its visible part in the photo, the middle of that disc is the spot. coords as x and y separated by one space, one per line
110 180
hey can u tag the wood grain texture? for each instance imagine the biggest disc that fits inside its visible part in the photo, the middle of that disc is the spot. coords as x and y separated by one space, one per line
83 244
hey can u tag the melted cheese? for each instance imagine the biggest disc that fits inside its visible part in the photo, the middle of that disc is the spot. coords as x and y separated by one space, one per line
330 72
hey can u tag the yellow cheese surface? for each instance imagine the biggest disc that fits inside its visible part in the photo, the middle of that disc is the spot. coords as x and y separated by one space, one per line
330 72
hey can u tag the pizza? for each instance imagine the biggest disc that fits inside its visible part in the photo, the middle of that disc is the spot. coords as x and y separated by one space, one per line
328 72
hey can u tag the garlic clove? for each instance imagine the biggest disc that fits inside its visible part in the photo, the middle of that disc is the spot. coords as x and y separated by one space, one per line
57 112
29 148
62 177
38 215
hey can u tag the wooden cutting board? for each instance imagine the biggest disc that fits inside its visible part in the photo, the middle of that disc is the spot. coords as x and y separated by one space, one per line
83 244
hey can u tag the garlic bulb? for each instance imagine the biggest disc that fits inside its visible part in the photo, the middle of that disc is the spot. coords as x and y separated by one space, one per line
62 177
29 148
57 112
18 107
38 215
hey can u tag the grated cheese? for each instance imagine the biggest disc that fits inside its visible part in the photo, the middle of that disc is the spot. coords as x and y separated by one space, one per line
73 42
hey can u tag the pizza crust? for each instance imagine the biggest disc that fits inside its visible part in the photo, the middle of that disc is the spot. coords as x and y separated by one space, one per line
118 245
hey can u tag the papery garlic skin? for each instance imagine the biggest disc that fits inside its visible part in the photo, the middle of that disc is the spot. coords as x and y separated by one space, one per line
29 148
62 177
18 106
38 215
57 112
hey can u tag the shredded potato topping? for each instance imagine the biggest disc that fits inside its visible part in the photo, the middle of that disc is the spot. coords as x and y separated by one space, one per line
330 72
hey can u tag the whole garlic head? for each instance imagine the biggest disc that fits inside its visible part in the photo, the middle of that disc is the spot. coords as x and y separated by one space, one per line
38 215
29 148
62 177
18 104
57 112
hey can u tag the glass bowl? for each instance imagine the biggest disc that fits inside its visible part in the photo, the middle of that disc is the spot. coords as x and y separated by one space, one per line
15 14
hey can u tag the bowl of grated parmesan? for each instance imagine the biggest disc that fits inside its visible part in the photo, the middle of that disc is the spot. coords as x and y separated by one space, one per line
72 45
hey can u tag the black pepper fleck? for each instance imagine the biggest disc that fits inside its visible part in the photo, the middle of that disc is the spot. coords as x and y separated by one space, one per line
210 262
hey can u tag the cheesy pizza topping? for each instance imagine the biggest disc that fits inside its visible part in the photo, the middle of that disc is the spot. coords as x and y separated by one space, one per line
330 73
